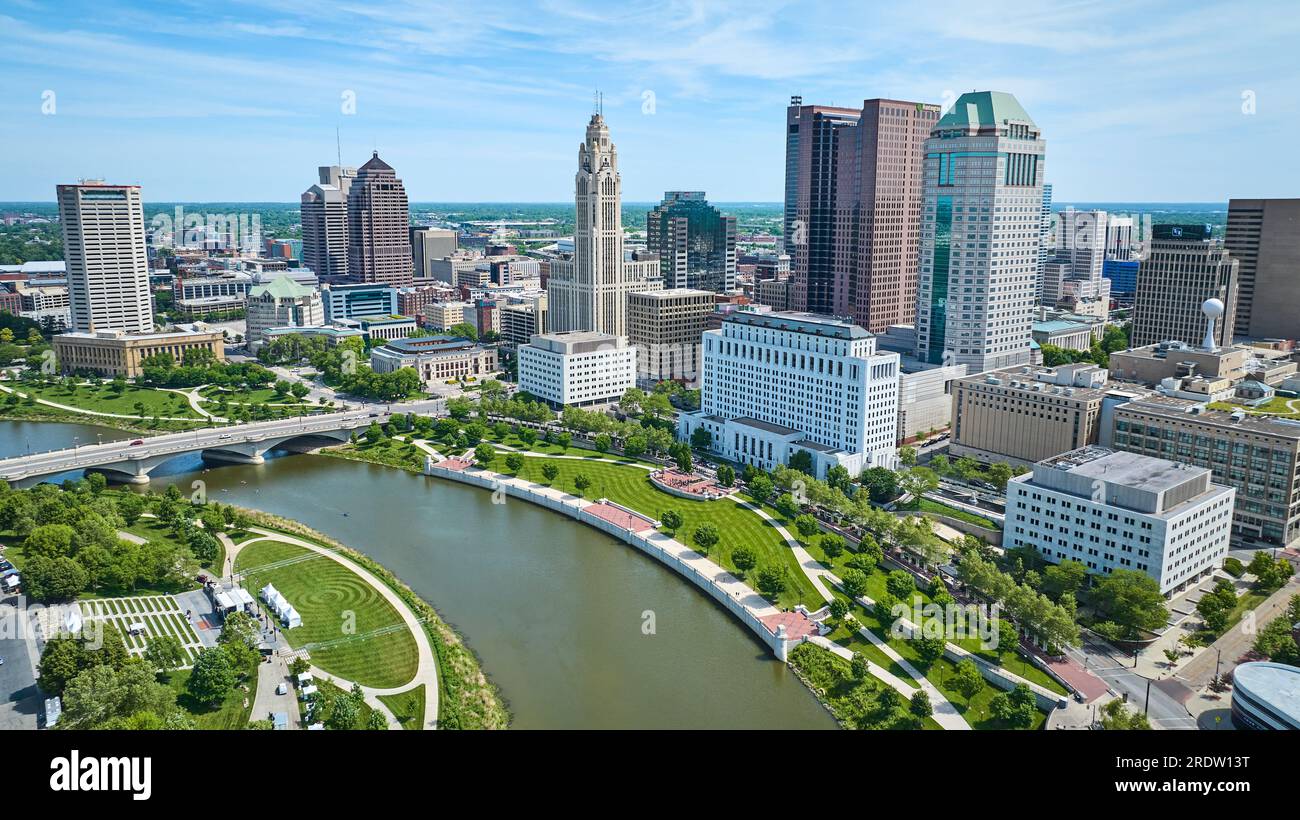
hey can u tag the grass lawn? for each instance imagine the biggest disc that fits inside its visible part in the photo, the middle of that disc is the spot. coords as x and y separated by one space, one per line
261 395
401 454
542 448
1248 601
334 692
231 713
102 399
407 706
338 607
926 505
854 703
737 526
1277 406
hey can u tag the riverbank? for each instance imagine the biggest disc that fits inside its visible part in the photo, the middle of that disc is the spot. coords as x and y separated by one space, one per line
45 413
466 698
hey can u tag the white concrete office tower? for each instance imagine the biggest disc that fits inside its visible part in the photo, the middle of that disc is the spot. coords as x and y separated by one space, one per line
1044 231
104 252
325 221
591 294
577 368
1074 272
980 234
1119 238
775 383
1114 510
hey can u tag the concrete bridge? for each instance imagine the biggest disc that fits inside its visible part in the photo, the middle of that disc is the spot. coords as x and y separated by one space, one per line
132 460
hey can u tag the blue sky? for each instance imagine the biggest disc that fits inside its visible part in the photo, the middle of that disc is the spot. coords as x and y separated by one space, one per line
486 101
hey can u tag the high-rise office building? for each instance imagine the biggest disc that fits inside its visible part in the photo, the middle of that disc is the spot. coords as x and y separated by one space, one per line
590 292
696 242
878 198
1183 268
429 245
1074 272
1264 236
325 221
379 242
980 234
1119 238
104 253
1044 231
811 163
665 328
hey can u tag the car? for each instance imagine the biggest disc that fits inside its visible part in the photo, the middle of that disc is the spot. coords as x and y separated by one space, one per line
225 436
136 443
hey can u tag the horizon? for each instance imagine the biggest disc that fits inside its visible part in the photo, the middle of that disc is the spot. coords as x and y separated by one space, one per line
240 104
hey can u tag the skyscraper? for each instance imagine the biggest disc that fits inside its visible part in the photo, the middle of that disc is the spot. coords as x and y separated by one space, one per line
325 221
379 242
1074 272
1264 235
590 291
812 133
878 197
696 242
1184 267
104 251
980 234
1044 231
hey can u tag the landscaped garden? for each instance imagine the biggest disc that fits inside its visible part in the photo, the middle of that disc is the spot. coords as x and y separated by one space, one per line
121 399
348 627
736 526
407 707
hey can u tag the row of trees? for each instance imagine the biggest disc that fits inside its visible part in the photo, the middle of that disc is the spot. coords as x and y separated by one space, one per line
201 367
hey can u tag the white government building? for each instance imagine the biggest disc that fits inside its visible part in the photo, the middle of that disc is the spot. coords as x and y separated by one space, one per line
773 384
577 368
1114 510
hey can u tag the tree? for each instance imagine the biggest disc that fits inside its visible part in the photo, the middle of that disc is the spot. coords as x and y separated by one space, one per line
165 653
528 436
929 649
999 474
701 438
672 520
759 488
514 463
213 676
832 545
744 559
900 584
550 470
771 581
376 721
918 481
681 454
604 443
484 454
61 660
49 541
726 475
907 456
706 537
859 669
1115 715
919 705
1132 600
299 665
889 700
581 482
801 460
54 579
806 524
374 433
854 583
1015 708
968 680
130 506
299 390
838 607
1065 577
1269 573
630 403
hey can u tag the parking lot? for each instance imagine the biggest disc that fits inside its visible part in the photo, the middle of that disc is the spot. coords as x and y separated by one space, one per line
20 702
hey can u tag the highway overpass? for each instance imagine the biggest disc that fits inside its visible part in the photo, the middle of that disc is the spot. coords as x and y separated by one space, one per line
132 460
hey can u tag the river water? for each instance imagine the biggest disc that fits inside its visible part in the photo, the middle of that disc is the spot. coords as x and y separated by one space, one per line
557 611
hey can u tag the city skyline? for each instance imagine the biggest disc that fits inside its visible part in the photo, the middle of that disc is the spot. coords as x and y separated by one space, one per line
257 97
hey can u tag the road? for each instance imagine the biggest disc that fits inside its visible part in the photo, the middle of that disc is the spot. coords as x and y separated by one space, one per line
114 452
20 701
1164 711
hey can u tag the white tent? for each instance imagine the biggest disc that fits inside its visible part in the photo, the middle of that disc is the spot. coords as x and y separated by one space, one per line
305 678
11 582
306 692
290 618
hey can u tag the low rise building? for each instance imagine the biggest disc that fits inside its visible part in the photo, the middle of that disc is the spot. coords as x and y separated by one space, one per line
115 353
1257 455
282 302
1114 510
444 315
386 328
356 300
438 359
577 367
1025 414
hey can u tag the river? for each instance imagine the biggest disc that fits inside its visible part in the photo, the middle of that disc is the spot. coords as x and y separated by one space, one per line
556 611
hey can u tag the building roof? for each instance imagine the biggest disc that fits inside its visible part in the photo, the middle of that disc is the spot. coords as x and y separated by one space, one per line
1276 684
976 109
280 287
767 426
1060 326
811 323
376 164
1126 469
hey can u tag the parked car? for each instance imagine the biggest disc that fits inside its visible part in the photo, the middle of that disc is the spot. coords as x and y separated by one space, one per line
137 442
